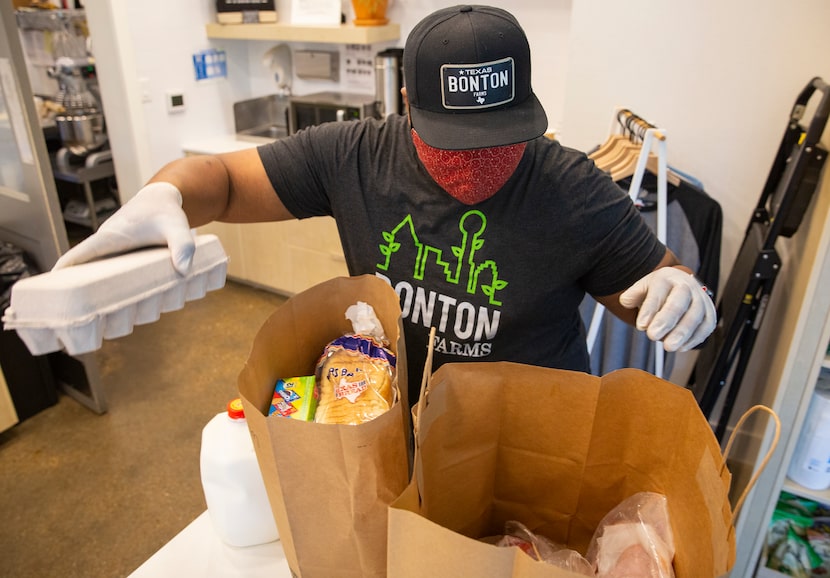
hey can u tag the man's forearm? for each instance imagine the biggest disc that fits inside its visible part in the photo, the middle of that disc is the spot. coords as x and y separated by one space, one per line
204 184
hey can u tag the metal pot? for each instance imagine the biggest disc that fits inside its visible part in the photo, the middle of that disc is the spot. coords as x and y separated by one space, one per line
82 131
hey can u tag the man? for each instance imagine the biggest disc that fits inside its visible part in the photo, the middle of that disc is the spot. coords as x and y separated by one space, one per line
487 230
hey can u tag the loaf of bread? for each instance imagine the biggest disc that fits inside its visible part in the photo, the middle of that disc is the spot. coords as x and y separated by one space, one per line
355 381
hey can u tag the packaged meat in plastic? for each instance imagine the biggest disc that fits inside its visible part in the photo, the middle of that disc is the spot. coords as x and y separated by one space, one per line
634 539
355 376
541 548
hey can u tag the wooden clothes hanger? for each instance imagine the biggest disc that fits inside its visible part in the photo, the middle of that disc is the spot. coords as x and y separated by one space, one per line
622 171
635 127
621 157
619 154
619 139
625 165
608 147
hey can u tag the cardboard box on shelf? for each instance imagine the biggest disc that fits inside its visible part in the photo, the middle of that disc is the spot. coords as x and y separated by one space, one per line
245 11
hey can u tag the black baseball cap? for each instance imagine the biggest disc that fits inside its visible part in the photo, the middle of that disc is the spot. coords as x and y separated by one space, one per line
467 78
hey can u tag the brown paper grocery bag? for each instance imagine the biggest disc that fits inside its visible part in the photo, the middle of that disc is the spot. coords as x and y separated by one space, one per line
329 485
555 450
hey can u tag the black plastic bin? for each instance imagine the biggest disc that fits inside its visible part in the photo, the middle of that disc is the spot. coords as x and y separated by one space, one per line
29 377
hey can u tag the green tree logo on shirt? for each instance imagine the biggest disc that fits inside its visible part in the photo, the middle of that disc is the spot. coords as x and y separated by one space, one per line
462 267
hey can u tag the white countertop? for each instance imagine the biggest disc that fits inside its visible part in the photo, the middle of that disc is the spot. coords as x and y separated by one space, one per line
218 144
197 552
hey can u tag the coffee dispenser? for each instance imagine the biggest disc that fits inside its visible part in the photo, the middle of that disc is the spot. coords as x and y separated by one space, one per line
388 81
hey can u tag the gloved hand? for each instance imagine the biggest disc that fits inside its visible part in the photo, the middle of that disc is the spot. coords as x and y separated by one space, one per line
674 308
153 217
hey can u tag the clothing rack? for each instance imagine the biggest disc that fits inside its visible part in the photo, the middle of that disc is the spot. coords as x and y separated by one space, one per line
636 136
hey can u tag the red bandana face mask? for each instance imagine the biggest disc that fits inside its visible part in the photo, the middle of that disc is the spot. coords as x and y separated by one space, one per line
470 176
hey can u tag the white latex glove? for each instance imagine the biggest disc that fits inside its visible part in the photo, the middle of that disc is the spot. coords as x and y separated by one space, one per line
153 217
674 308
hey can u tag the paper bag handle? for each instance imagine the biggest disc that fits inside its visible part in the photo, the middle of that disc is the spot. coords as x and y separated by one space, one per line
416 416
764 462
424 384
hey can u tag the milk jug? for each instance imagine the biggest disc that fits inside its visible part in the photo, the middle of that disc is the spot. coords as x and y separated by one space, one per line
232 481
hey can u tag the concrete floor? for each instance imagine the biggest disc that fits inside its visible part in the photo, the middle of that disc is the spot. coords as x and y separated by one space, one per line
86 495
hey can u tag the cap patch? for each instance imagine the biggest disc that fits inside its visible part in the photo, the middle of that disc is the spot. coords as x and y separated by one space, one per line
477 86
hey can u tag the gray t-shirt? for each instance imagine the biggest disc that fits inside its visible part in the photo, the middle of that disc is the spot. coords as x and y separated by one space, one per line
501 279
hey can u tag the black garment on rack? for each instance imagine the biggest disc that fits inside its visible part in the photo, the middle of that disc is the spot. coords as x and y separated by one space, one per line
694 230
704 217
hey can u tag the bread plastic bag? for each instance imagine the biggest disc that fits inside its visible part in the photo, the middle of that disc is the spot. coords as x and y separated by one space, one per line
355 375
541 548
366 322
634 539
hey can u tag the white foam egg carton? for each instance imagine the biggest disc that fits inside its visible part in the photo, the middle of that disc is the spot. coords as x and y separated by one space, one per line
77 307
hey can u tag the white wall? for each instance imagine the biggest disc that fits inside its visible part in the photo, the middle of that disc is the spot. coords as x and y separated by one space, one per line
720 77
115 66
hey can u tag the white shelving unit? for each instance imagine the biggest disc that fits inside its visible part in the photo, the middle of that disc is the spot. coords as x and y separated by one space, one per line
797 357
822 496
788 485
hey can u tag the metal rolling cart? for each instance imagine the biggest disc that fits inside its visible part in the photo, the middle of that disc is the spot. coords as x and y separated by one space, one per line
64 76
96 167
789 188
